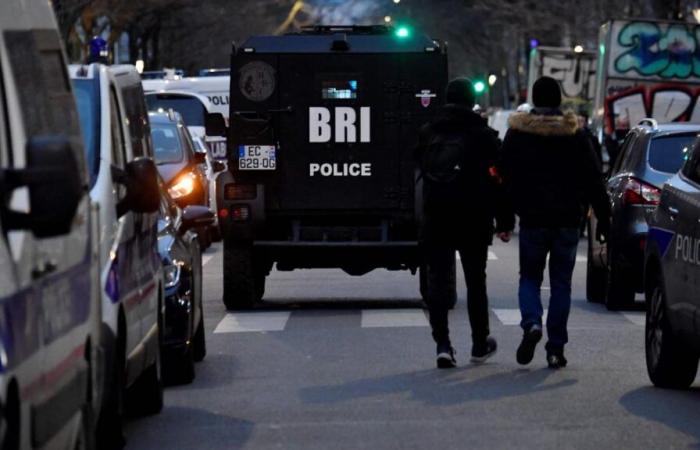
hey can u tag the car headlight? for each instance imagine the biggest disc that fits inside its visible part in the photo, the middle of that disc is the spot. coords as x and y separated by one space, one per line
183 185
172 275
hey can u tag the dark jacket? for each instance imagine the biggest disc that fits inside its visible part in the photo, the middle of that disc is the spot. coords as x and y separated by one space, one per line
480 198
551 171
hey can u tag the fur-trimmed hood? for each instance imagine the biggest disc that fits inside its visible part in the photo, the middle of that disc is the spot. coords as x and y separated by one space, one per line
544 125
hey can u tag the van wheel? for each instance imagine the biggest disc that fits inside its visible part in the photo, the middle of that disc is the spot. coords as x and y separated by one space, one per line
147 393
670 363
110 434
86 437
241 287
596 278
451 288
199 342
620 288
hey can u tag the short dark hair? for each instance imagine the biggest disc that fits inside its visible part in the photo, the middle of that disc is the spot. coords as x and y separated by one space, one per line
460 91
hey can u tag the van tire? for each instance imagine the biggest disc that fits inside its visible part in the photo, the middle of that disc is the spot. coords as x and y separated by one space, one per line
241 287
110 423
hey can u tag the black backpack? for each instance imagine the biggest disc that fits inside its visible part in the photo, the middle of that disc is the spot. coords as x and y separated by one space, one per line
442 171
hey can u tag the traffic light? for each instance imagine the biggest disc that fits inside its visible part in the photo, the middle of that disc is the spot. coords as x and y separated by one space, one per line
479 87
403 32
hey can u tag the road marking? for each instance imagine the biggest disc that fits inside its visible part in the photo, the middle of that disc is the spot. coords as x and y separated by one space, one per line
512 316
253 322
581 258
206 259
636 317
492 256
390 318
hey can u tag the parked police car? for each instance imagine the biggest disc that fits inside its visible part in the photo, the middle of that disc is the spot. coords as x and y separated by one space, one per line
672 279
124 185
49 303
321 169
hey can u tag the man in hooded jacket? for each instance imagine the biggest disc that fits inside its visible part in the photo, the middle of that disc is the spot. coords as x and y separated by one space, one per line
551 173
462 218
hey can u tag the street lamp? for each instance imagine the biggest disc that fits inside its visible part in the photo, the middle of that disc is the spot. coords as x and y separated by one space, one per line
387 19
139 65
696 14
578 49
492 79
397 1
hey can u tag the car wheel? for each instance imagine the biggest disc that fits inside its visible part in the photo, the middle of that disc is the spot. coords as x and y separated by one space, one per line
620 287
179 368
596 278
451 288
240 283
199 342
670 363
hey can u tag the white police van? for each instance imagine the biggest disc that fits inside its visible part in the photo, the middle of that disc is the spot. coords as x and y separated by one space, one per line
213 92
49 304
124 184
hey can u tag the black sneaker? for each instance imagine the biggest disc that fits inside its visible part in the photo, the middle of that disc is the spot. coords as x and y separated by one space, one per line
526 350
556 360
484 350
446 357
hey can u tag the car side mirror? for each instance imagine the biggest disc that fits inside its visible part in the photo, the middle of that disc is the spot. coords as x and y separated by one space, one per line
196 216
215 124
55 183
218 166
200 157
142 190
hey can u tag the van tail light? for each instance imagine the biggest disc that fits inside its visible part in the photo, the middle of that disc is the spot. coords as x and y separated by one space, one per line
640 193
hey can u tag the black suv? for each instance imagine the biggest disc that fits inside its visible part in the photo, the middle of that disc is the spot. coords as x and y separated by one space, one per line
650 155
672 278
321 167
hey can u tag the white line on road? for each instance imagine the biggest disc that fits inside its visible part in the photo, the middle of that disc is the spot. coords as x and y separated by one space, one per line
512 316
206 259
389 318
253 322
636 317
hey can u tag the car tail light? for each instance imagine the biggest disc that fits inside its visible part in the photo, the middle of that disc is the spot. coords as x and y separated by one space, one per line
240 213
640 193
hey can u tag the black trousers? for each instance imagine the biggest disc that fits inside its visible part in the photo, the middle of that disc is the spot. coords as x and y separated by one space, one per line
473 255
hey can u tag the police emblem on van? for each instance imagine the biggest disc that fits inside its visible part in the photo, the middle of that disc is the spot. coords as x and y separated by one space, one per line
425 95
340 125
257 81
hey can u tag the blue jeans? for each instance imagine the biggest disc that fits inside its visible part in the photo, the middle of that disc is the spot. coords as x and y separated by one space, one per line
535 244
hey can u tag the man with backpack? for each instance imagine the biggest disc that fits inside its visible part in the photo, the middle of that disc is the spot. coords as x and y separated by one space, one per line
456 154
552 175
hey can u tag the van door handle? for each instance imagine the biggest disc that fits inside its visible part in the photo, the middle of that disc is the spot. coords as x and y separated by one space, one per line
673 212
43 269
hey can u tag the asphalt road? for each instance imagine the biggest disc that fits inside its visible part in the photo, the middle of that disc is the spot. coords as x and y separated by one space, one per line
331 361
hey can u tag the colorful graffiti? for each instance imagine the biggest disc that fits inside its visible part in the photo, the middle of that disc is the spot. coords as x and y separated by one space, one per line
668 51
663 102
575 73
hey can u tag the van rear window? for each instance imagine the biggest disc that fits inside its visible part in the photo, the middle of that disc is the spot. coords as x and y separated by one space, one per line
339 90
667 154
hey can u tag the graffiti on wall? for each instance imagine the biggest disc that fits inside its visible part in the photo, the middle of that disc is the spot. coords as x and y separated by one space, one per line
663 102
667 51
575 73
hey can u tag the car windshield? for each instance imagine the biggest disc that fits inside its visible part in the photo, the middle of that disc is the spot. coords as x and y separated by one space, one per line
190 108
166 143
667 154
88 101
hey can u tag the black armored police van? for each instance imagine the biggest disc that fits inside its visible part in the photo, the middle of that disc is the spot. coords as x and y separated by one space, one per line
323 127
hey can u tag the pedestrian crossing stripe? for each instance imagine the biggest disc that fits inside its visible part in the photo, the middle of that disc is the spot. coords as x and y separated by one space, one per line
493 257
268 321
388 318
206 259
253 322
